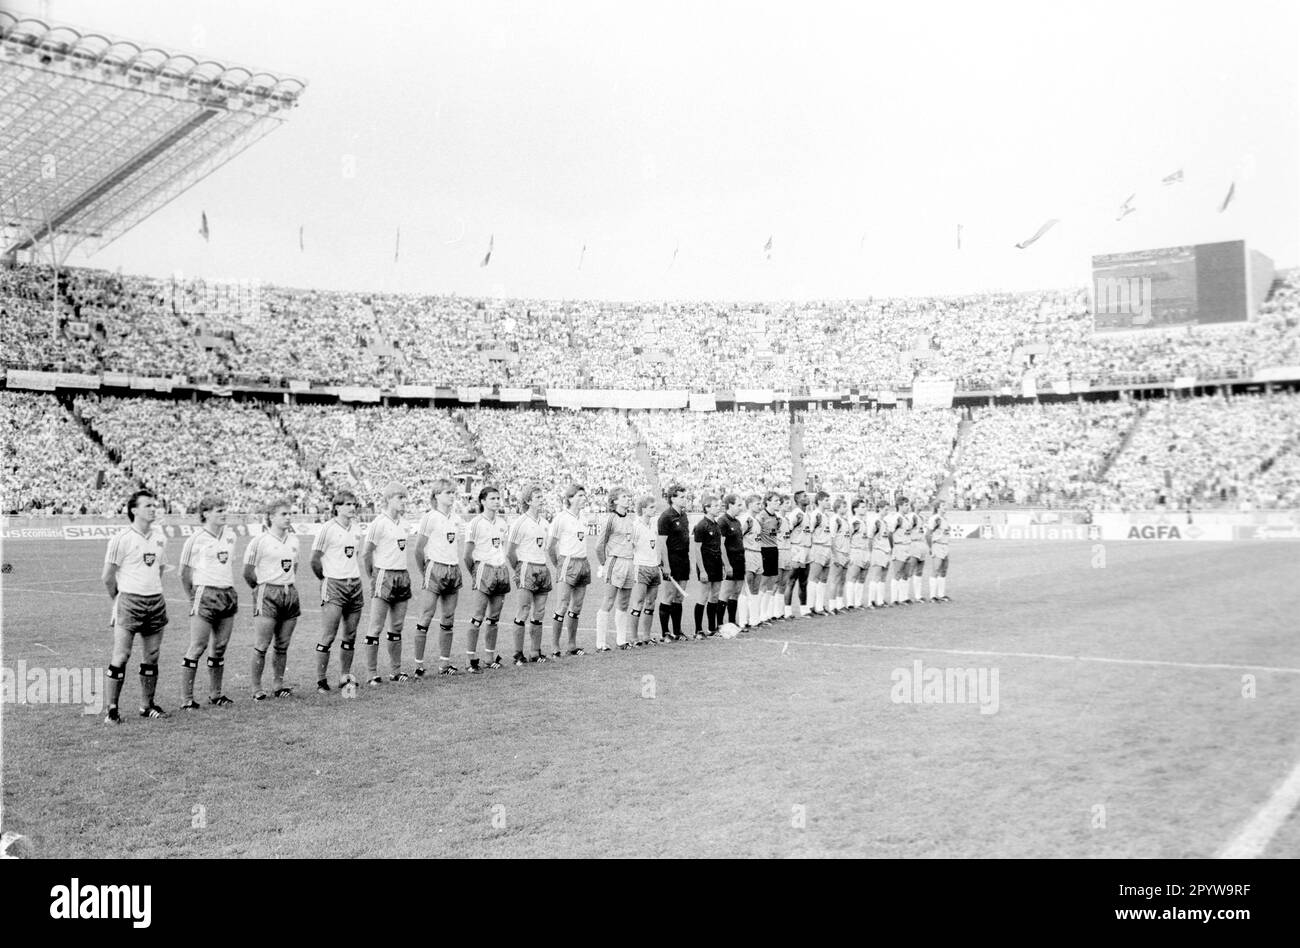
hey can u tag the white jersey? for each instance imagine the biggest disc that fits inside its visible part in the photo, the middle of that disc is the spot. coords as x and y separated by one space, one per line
489 539
529 537
570 535
210 557
389 538
338 549
645 545
274 561
442 530
138 558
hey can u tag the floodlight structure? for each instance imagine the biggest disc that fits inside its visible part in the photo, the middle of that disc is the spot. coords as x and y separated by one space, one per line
98 133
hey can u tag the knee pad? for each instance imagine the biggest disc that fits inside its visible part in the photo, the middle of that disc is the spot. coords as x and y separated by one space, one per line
322 648
372 640
421 628
280 651
635 613
214 662
493 621
262 651
558 617
394 636
192 662
346 646
535 622
476 622
520 623
445 626
117 672
572 614
148 670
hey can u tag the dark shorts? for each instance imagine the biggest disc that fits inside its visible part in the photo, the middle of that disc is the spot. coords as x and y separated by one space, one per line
442 579
140 615
735 565
214 603
491 580
679 568
344 593
276 602
648 576
713 569
534 578
574 571
392 585
771 560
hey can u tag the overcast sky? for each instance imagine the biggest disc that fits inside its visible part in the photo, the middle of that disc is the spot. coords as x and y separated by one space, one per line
857 136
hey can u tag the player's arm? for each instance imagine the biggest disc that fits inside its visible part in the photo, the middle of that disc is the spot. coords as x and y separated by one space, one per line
696 569
553 544
512 546
469 557
421 541
317 551
110 579
604 538
250 561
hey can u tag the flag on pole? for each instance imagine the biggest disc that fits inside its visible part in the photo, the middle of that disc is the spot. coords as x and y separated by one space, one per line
397 246
1227 198
487 257
582 256
767 247
1174 178
203 225
300 247
1052 222
1127 207
674 259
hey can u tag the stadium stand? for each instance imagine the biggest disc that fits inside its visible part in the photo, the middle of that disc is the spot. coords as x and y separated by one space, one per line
885 452
741 452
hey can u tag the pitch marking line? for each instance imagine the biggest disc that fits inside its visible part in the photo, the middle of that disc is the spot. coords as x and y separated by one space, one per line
1047 655
1255 835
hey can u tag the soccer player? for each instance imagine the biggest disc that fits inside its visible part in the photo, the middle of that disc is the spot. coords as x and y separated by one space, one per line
733 550
881 556
133 567
780 608
567 551
614 553
918 548
334 563
819 553
860 522
899 535
706 550
936 535
485 559
675 529
208 578
270 568
526 554
650 564
801 527
438 555
766 526
840 534
383 557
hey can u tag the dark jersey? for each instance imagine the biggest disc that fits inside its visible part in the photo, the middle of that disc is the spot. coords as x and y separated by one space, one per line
733 538
675 528
709 537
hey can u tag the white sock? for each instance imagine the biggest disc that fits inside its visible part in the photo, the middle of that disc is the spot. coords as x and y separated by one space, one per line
943 586
916 588
861 594
602 625
742 609
934 587
764 605
620 627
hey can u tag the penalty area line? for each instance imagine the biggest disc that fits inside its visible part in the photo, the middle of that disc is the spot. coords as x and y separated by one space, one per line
1045 655
1254 837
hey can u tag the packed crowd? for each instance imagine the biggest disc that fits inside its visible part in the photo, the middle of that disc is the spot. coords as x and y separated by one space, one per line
554 449
363 448
879 453
987 341
1205 451
744 452
1038 454
49 464
183 450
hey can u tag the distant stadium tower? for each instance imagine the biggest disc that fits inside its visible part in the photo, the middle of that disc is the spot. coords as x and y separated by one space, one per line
99 132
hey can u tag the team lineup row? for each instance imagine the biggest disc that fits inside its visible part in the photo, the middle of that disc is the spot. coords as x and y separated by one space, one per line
755 560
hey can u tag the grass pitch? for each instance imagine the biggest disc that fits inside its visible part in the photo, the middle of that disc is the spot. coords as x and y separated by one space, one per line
1124 727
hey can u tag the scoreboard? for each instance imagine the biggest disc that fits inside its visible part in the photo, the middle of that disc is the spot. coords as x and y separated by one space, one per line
1178 286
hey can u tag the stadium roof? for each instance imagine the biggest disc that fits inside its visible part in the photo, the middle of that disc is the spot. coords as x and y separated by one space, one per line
97 133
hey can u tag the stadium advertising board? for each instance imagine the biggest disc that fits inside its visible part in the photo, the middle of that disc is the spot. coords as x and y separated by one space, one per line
30 533
933 393
1139 527
1267 531
49 381
1030 531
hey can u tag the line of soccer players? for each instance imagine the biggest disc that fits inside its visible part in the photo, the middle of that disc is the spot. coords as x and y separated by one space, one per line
756 560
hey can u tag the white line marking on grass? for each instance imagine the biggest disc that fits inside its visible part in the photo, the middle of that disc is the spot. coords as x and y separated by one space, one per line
1255 835
46 647
1048 655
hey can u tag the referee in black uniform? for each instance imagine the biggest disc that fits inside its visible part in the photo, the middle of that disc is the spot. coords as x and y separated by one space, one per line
733 545
675 528
709 569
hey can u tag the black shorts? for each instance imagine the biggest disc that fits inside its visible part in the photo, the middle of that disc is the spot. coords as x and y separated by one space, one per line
679 568
771 560
140 615
713 569
736 565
